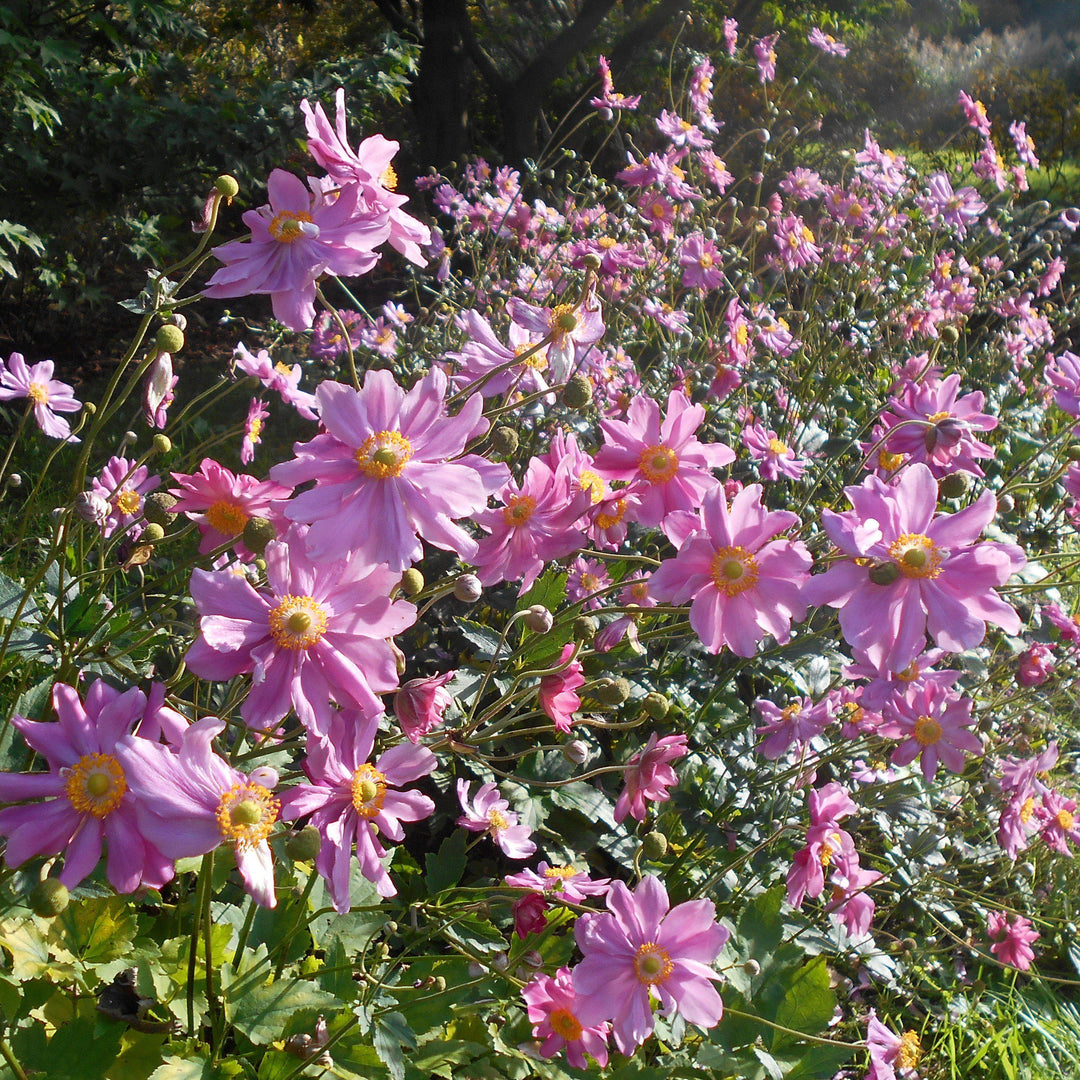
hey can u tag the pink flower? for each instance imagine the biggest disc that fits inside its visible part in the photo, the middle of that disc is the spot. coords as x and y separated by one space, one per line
318 632
559 882
352 800
1036 665
221 503
642 948
917 572
279 377
551 1003
420 703
743 583
933 722
49 395
957 208
86 797
572 328
158 391
850 905
702 265
529 912
793 725
649 775
295 238
483 354
890 1055
1063 372
1057 822
609 100
669 469
825 842
765 54
489 812
795 243
123 484
774 457
826 43
192 801
975 112
253 425
556 693
1012 940
384 457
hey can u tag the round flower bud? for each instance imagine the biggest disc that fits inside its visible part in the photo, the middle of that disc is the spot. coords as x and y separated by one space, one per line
169 339
656 705
48 898
468 589
440 983
475 969
1073 452
500 962
304 844
178 318
752 967
612 691
152 533
578 393
538 619
1006 503
266 776
158 507
592 261
89 407
953 486
258 532
533 959
504 440
585 627
90 506
226 185
162 443
412 582
655 845
576 752
884 573
950 335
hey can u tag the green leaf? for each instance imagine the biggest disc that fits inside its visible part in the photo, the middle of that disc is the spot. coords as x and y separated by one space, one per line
262 1013
807 1004
445 867
11 597
483 639
390 1032
78 1050
475 935
95 931
175 1068
24 940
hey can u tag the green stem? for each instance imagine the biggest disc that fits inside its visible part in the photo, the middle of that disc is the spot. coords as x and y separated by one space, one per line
728 1011
206 875
9 1057
193 953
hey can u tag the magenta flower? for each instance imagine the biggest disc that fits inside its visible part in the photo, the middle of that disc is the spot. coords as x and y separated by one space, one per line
957 208
384 457
551 1003
743 583
669 469
642 948
826 43
891 1055
49 395
192 801
123 485
916 573
850 905
420 703
765 55
1056 816
559 882
253 425
159 391
933 722
649 775
279 377
702 265
86 795
483 353
221 503
774 457
1012 940
793 725
295 238
825 842
609 100
352 800
572 328
1063 372
489 812
317 633
557 691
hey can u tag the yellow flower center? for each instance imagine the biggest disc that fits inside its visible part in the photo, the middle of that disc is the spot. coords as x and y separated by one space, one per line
829 847
613 517
916 555
910 673
742 335
1065 819
777 447
562 320
255 429
734 570
246 814
389 178
935 417
383 454
368 791
559 873
1027 811
282 368
38 393
518 509
287 226
927 731
497 822
789 712
298 622
128 502
95 784
593 484
590 582
605 243
538 360
706 261
658 210
640 591
907 1055
564 1023
658 464
652 964
889 462
226 517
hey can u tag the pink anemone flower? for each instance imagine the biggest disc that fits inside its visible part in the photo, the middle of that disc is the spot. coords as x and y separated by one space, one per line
1012 940
649 775
668 468
910 572
743 583
87 796
557 693
192 801
319 632
420 703
352 800
933 723
123 485
385 457
551 1003
48 395
640 948
489 812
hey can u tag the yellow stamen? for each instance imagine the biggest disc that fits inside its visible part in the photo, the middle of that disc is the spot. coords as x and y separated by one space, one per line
38 393
286 226
907 1054
95 784
916 555
383 454
658 464
128 502
298 622
927 731
652 964
734 570
246 814
368 791
226 517
519 509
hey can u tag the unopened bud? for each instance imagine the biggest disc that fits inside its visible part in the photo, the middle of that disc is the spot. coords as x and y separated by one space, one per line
170 339
152 533
162 443
953 486
504 440
1073 452
592 261
500 962
258 532
226 185
578 393
752 967
656 705
538 619
412 582
884 573
533 959
468 589
14 480
612 691
475 970
655 845
265 776
304 845
89 407
1006 503
158 508
90 506
48 898
576 752
950 335
585 627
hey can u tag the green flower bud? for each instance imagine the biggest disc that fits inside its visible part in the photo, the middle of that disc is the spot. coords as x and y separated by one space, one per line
49 898
162 443
592 261
89 408
884 573
1073 452
170 339
578 393
304 844
226 185
158 508
612 691
412 582
585 628
258 532
152 533
504 440
954 485
656 705
949 335
655 845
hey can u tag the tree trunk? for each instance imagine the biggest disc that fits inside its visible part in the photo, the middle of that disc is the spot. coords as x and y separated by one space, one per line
440 95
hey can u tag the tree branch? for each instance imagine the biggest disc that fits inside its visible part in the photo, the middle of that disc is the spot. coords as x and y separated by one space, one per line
393 14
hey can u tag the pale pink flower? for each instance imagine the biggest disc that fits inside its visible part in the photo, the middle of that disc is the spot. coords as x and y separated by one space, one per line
609 100
489 812
279 377
826 43
557 691
649 775
891 1055
774 457
48 395
572 329
124 485
253 426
